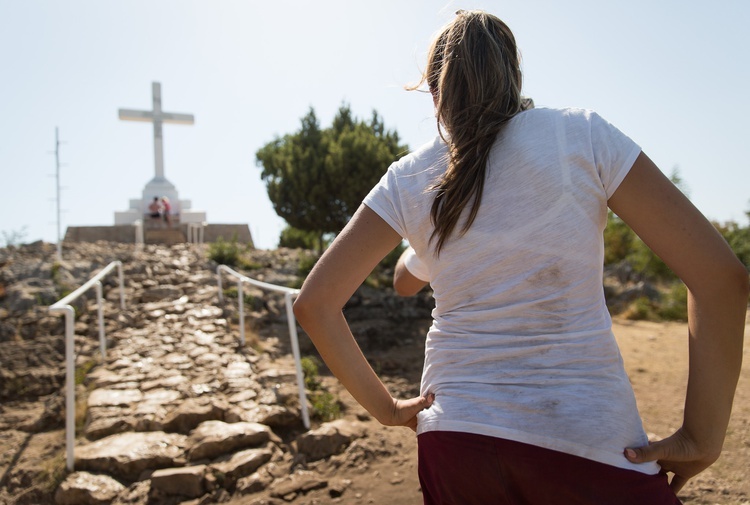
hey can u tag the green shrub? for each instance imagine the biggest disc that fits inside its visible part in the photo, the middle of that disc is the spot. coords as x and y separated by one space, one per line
247 264
618 239
642 309
673 304
294 238
325 406
248 299
82 371
224 253
622 244
310 370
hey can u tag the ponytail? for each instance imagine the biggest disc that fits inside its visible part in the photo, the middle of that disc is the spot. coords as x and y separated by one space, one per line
474 75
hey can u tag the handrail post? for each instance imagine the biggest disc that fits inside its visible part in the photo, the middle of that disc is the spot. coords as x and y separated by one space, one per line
297 360
241 298
122 285
100 313
218 277
70 386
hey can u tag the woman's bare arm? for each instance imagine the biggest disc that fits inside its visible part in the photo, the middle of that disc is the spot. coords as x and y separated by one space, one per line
717 301
339 272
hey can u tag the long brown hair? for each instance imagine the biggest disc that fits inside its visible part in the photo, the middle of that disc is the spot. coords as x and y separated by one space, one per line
474 75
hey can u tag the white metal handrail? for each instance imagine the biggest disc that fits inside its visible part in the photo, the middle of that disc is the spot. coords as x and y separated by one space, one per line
289 295
63 307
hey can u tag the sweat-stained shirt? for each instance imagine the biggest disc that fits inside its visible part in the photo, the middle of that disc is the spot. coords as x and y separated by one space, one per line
521 345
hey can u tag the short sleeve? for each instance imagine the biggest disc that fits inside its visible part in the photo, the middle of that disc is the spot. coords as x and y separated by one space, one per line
384 200
614 153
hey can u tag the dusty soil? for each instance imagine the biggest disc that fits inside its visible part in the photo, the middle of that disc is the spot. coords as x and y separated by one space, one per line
655 356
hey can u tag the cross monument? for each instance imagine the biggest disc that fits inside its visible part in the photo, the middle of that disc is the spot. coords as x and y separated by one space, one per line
159 186
157 117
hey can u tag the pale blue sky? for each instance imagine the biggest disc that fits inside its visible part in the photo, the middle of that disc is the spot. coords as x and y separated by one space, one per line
673 75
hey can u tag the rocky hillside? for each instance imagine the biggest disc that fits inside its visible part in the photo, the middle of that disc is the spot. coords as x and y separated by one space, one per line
178 411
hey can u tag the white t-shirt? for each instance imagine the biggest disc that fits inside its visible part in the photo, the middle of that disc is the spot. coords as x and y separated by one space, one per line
415 266
521 345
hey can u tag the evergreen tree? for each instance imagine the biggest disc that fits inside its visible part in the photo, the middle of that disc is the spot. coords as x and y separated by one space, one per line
316 178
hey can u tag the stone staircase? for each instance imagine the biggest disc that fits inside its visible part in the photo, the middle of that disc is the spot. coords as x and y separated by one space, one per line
178 409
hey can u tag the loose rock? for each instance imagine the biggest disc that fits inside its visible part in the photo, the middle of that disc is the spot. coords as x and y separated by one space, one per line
83 488
186 481
127 455
213 438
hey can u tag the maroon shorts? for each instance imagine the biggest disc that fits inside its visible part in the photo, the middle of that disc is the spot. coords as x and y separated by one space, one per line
466 469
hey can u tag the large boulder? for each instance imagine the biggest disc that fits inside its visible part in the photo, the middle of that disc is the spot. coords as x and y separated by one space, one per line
127 455
185 481
214 438
241 464
83 488
329 439
192 412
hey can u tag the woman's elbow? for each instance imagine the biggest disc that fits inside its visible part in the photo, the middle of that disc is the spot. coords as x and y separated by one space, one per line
732 283
303 309
737 279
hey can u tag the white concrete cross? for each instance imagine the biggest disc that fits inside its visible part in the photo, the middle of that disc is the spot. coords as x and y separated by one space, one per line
157 117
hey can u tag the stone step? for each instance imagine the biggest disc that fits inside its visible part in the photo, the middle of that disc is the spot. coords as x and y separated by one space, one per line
166 236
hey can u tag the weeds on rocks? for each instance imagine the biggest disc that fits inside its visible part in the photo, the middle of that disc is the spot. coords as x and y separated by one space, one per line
325 406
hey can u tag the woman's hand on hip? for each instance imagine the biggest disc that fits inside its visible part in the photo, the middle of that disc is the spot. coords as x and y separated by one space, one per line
679 454
404 412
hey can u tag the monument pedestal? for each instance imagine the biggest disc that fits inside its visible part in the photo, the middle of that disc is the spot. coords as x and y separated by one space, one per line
160 187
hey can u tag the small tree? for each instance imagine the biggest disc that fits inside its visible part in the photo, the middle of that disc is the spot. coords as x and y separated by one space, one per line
317 178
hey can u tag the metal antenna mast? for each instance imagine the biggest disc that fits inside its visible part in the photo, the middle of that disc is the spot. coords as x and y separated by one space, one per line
57 175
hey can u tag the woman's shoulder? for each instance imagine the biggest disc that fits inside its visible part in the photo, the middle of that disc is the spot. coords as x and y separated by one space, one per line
428 155
568 118
562 112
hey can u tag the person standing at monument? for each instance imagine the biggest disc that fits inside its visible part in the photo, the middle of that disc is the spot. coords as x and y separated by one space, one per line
524 396
154 208
166 210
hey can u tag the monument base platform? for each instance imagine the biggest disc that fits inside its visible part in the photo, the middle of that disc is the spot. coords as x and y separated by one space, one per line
126 234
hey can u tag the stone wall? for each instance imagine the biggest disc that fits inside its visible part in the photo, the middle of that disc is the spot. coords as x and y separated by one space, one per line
126 233
119 233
